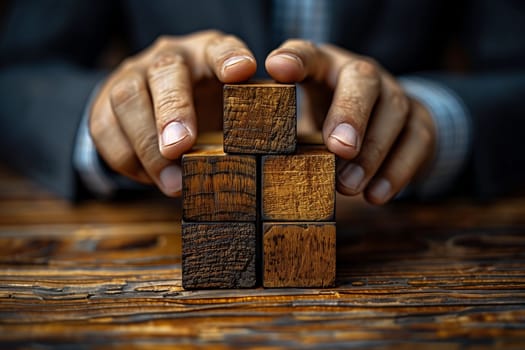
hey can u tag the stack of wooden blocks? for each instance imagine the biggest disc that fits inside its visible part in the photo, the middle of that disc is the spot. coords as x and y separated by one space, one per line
259 207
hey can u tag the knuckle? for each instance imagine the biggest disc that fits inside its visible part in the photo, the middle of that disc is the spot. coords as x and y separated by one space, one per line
399 105
224 47
371 61
421 131
200 39
229 38
365 68
128 64
399 101
96 128
292 42
162 41
163 61
425 136
348 105
361 76
216 41
405 168
125 91
211 33
230 45
118 155
172 102
146 146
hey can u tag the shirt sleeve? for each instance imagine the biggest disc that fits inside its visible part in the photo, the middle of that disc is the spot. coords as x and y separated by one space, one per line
453 135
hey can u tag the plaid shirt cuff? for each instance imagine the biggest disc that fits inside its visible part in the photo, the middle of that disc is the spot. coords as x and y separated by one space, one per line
454 134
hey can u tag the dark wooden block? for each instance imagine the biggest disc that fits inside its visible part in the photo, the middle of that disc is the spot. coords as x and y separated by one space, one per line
218 255
218 186
299 254
299 187
259 118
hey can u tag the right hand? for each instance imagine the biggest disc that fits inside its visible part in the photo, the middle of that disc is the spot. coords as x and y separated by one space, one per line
145 115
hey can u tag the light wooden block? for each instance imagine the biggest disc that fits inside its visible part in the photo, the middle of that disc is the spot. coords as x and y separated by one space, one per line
299 254
218 186
259 118
298 187
218 255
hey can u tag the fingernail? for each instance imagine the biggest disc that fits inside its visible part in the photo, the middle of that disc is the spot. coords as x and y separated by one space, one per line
345 134
351 176
171 179
173 132
232 61
381 189
289 57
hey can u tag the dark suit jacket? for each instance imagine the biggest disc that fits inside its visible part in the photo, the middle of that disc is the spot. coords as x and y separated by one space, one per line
49 52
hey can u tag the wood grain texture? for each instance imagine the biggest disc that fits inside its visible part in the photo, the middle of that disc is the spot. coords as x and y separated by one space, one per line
259 118
298 187
102 275
218 187
299 255
218 255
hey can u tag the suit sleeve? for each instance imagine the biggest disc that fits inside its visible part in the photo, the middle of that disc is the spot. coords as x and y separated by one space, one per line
493 90
48 51
497 162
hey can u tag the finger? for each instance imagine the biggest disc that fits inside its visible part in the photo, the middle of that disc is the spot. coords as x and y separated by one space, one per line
388 120
356 82
407 158
301 61
230 59
296 60
112 143
132 106
174 112
356 92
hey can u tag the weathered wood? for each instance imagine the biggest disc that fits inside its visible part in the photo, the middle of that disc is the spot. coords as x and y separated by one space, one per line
218 255
218 186
108 275
259 118
298 254
298 187
423 287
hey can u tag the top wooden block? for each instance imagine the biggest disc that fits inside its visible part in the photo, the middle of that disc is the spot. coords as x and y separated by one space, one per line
260 118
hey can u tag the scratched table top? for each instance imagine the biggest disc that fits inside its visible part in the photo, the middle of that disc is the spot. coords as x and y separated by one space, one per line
99 275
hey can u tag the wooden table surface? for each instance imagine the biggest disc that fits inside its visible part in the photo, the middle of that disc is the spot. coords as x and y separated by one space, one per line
98 275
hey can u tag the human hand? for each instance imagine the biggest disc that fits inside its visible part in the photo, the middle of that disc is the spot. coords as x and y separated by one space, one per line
145 115
382 137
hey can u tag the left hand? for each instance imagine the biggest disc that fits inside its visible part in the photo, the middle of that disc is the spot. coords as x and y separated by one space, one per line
383 137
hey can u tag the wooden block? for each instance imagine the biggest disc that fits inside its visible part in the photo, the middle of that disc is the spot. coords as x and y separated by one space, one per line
218 186
299 254
259 118
218 255
299 187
